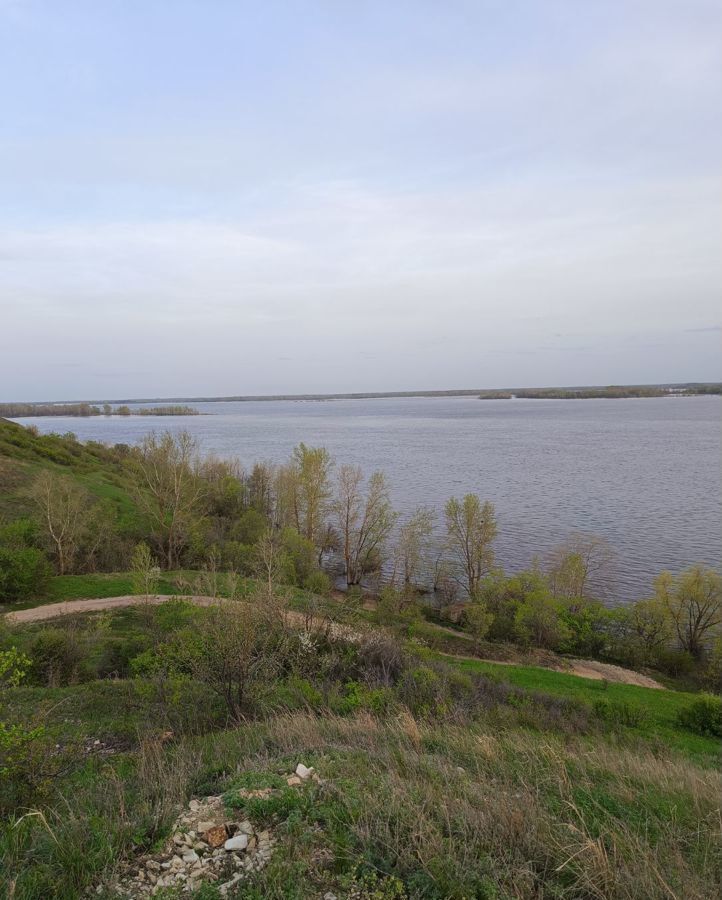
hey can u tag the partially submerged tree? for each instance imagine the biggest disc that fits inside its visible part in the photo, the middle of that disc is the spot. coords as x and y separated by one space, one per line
471 529
365 519
412 545
313 467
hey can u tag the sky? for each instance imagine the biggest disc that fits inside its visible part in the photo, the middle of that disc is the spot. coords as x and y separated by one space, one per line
222 197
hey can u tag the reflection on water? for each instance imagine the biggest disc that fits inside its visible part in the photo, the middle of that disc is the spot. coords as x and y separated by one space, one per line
645 474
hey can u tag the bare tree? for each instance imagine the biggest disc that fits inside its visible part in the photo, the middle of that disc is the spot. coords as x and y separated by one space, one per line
365 518
170 491
693 602
268 560
64 509
581 567
471 529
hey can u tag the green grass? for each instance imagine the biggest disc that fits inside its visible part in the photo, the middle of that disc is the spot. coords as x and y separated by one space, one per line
658 710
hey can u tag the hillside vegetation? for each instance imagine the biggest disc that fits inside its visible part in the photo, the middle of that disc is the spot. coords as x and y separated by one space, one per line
436 773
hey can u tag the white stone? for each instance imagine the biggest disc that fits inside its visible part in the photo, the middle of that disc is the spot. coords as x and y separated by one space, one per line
237 842
304 771
245 827
205 826
194 805
191 857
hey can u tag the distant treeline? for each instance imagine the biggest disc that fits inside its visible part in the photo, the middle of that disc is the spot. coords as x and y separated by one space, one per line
24 410
612 392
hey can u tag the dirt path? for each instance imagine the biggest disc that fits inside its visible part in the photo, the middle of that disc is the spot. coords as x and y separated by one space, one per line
585 668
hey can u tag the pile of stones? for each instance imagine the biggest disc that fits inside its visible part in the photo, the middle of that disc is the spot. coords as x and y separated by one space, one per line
206 846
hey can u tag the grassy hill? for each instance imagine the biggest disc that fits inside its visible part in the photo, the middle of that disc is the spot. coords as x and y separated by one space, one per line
99 469
457 779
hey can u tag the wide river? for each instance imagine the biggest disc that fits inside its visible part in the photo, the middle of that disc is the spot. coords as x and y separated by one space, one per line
643 473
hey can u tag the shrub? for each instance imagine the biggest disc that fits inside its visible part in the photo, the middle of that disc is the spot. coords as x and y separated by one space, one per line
24 573
58 656
704 716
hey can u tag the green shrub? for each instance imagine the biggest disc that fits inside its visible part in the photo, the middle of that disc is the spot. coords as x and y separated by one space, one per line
59 657
704 716
24 573
620 713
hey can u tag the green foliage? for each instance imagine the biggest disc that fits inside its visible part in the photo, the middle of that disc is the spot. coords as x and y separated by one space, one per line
59 656
24 573
538 621
703 716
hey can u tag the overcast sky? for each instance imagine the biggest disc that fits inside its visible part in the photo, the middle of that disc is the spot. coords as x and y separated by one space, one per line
214 197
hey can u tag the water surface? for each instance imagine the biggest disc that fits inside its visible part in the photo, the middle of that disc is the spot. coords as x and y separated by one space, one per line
643 473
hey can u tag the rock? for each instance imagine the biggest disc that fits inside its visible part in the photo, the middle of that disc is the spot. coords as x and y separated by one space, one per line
293 781
245 827
216 836
153 865
237 842
199 846
202 827
178 839
194 805
329 895
304 772
191 857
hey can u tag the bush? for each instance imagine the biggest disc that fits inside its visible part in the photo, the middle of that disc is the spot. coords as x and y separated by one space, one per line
704 716
58 656
24 573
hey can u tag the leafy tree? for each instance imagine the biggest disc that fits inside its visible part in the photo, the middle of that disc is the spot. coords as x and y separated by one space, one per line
471 528
693 602
538 621
312 466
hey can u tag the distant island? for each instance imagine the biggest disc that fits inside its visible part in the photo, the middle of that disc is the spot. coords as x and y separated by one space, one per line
82 410
176 406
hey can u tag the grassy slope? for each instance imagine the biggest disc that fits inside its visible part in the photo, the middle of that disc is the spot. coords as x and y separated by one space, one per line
23 455
656 710
493 808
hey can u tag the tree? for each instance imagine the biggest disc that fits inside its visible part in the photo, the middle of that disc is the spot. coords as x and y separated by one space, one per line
313 467
693 602
236 648
146 571
260 484
581 567
649 625
477 620
64 510
471 529
170 490
537 621
412 543
365 519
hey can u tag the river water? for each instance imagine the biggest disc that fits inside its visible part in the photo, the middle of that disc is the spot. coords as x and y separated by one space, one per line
643 473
